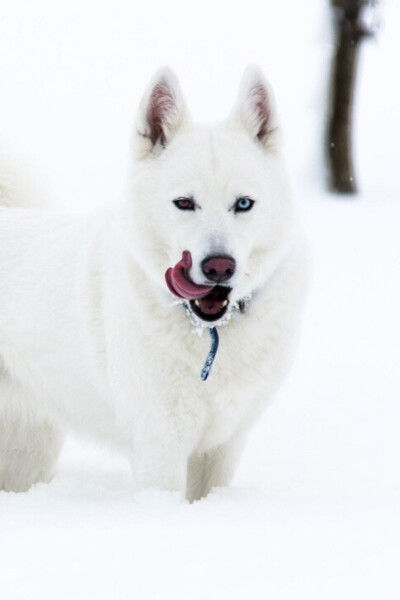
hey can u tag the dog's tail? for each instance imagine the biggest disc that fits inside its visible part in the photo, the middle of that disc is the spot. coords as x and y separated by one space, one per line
18 187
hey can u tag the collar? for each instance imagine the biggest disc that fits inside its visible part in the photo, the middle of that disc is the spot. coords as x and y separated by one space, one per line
240 306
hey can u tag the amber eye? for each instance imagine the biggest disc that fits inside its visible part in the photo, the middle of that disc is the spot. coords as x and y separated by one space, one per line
185 203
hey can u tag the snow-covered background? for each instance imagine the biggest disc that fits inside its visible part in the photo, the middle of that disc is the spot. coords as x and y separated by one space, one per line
314 511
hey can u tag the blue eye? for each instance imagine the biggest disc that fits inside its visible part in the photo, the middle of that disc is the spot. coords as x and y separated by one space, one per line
243 204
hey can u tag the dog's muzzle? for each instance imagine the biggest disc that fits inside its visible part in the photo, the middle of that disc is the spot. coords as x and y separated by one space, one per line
208 302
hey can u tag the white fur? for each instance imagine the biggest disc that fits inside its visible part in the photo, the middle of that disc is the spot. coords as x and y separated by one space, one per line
90 339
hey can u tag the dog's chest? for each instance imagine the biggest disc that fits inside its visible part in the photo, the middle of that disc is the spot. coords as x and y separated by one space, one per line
230 397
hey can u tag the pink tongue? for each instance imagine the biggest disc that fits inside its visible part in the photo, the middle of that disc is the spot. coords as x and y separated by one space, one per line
179 285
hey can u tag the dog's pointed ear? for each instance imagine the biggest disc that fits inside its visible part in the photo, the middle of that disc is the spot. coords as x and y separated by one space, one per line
255 109
162 112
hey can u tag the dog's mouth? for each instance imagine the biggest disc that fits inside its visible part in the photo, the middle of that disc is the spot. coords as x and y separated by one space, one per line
213 306
208 302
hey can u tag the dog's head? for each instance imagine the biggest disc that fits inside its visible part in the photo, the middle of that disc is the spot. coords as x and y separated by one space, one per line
209 204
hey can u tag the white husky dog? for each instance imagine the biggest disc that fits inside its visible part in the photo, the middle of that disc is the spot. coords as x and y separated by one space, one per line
98 314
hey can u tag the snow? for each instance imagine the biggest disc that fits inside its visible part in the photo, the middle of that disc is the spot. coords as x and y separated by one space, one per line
314 509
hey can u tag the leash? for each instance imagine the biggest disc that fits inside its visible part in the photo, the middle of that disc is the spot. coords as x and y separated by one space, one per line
206 370
240 306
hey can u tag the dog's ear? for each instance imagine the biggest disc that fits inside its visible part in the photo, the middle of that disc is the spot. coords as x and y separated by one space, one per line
255 109
161 113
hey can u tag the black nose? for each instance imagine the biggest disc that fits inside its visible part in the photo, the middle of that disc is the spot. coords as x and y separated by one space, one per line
218 268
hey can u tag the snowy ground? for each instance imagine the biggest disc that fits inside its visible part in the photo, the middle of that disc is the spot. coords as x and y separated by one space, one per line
314 512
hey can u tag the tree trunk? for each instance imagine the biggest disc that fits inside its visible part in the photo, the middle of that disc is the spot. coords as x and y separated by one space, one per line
349 31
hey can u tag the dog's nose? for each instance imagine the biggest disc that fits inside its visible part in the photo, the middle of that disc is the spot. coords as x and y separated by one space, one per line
218 268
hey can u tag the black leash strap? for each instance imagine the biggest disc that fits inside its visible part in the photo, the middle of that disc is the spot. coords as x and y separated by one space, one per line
211 355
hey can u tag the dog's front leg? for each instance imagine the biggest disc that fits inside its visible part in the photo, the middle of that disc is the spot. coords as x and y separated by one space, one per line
214 468
158 461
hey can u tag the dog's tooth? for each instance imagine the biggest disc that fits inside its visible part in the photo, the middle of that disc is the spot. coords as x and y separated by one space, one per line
225 302
197 303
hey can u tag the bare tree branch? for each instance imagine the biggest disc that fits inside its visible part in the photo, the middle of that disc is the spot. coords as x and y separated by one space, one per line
349 32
